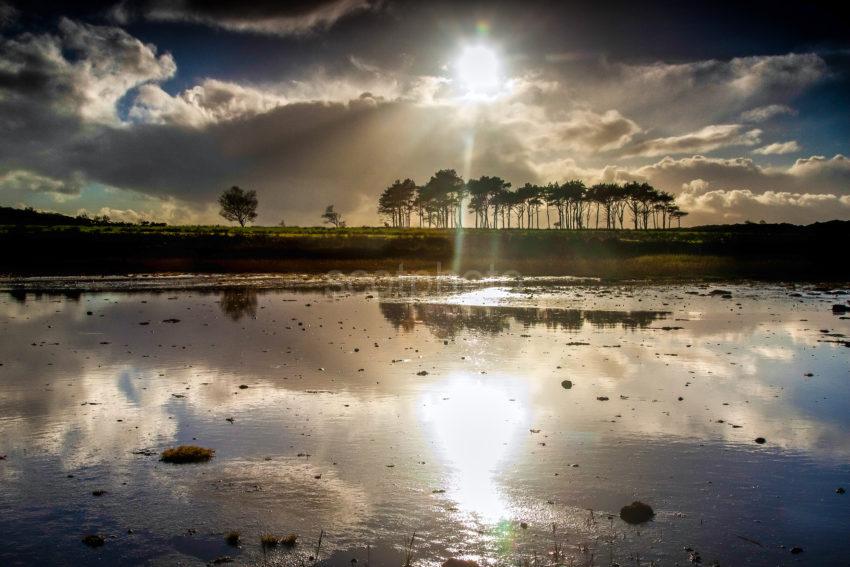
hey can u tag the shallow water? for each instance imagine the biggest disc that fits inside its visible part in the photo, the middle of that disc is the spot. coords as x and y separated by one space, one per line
375 410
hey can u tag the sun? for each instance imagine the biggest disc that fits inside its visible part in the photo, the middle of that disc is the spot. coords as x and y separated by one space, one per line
479 70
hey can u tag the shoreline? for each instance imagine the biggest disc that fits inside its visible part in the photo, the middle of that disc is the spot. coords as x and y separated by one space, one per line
410 283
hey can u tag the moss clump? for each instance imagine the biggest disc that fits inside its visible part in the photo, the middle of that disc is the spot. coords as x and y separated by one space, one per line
187 454
232 538
289 540
636 513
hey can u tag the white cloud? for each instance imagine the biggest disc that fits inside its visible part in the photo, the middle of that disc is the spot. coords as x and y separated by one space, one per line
778 148
703 140
816 174
209 102
736 205
765 113
818 166
84 70
22 180
589 130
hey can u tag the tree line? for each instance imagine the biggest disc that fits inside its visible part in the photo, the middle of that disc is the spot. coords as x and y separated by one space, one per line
493 204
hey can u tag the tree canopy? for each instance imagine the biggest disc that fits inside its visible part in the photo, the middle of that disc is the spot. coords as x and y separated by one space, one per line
445 198
238 205
330 216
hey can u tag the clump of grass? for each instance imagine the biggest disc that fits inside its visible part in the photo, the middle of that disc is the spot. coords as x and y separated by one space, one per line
269 540
408 551
187 454
232 538
94 540
637 513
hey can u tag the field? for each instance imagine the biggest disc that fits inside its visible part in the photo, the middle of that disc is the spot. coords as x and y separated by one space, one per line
751 250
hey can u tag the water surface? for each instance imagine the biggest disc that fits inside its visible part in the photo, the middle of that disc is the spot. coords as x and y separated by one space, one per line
373 412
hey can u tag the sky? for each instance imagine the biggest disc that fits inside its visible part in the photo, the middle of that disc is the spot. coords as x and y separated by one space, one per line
148 110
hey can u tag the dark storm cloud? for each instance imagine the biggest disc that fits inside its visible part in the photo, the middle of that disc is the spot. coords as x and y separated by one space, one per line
299 157
266 17
8 14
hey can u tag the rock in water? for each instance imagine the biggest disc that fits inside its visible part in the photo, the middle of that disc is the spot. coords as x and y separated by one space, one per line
566 384
636 513
720 292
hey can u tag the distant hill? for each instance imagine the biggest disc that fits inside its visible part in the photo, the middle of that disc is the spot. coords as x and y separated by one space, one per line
29 216
833 226
10 215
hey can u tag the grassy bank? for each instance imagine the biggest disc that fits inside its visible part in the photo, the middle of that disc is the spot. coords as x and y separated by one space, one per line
760 251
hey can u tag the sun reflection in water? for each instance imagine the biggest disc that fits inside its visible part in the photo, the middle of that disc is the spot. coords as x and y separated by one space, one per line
474 423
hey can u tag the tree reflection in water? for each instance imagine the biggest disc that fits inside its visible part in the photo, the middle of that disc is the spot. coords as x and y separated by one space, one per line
237 303
447 320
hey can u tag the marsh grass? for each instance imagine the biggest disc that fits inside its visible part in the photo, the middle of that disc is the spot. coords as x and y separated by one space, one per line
233 538
187 454
771 251
268 541
408 551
